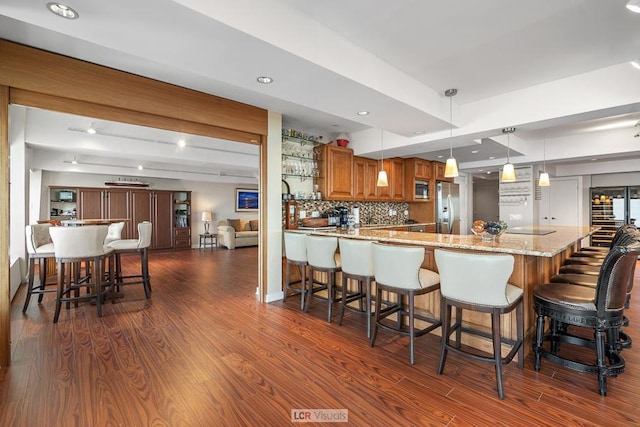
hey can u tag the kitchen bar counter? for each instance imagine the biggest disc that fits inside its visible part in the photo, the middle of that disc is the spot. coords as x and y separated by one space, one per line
541 246
537 258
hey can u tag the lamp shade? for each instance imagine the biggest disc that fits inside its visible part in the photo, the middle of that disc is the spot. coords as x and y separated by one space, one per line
634 6
543 181
451 168
508 173
383 181
207 216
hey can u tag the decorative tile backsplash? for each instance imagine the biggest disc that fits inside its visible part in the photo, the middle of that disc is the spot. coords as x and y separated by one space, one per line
370 212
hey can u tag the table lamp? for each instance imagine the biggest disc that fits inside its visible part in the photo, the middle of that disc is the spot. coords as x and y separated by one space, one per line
207 217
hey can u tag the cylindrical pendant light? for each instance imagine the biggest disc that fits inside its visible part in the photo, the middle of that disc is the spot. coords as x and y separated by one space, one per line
451 167
543 181
383 181
508 171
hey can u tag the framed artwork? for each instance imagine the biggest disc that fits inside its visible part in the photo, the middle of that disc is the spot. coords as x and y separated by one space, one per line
246 200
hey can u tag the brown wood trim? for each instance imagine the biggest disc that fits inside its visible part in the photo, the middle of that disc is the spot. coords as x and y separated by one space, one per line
5 300
71 78
72 106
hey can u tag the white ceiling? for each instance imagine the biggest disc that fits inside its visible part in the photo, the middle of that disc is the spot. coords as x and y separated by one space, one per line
557 71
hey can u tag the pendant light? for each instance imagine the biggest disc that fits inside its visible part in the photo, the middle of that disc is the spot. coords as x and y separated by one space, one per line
543 181
451 167
508 171
383 181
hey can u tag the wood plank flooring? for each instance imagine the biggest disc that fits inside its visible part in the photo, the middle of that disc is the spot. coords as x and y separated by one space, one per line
203 352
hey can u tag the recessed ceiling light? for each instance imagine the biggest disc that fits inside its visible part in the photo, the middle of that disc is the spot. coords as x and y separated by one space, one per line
419 132
62 10
92 129
492 157
475 151
634 6
636 64
74 161
363 113
265 80
594 160
182 143
440 157
488 172
140 167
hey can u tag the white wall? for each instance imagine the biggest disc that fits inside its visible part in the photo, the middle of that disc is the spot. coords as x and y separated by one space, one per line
18 191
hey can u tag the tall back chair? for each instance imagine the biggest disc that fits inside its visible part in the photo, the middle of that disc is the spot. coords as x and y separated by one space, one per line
114 232
479 282
322 257
295 252
356 258
141 246
601 310
73 245
39 248
397 270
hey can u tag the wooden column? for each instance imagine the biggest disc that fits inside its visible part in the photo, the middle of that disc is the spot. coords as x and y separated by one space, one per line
5 301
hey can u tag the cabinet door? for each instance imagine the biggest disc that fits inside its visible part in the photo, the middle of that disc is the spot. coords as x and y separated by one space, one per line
141 210
396 180
559 203
384 193
370 179
116 205
90 203
422 169
438 172
163 220
359 178
339 173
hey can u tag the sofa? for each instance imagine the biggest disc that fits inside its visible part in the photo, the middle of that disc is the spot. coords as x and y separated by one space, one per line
234 233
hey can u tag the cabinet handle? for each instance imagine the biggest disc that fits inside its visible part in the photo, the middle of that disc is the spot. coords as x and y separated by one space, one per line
545 217
553 217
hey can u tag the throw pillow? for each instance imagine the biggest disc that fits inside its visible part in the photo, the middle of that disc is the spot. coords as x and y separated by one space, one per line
235 223
253 224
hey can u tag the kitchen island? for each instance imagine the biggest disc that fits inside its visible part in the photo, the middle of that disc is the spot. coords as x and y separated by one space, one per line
537 258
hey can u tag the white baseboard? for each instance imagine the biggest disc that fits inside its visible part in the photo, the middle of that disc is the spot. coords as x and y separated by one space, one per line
15 277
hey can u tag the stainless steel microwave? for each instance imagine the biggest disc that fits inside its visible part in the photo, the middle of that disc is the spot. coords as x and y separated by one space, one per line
421 190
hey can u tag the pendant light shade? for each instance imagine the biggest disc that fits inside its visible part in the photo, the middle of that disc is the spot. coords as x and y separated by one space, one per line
543 181
451 168
383 181
508 171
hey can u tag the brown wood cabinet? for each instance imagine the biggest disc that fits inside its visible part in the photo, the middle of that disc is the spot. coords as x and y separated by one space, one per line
365 176
417 170
438 172
395 174
94 203
157 207
336 173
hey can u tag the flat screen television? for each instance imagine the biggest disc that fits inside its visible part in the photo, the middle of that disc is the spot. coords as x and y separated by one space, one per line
66 196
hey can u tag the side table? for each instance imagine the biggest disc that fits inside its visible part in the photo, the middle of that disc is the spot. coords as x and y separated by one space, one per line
213 240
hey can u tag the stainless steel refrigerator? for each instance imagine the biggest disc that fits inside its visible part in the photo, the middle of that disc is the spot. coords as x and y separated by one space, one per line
447 208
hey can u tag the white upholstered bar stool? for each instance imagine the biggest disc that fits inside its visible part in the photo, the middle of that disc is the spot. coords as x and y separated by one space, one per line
295 252
479 282
114 232
397 270
141 246
40 249
73 245
356 259
322 257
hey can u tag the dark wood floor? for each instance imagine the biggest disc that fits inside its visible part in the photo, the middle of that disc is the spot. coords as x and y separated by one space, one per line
203 352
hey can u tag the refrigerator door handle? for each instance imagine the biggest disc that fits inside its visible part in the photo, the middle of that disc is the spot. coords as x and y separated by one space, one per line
451 213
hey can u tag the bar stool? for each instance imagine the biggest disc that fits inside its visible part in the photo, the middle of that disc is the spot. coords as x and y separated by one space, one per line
602 311
141 246
40 249
479 282
295 252
114 232
73 245
397 271
321 256
356 258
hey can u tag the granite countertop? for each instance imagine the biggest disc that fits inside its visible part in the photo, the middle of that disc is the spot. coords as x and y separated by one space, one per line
536 245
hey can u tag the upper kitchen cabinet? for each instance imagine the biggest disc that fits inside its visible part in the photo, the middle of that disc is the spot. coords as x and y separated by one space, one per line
336 173
96 203
438 172
365 175
395 174
418 186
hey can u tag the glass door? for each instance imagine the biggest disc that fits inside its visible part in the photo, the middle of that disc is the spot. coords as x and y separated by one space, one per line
634 205
607 212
